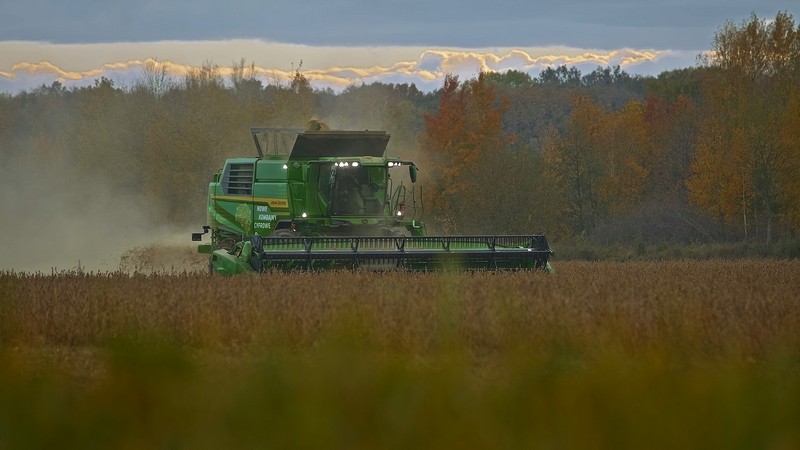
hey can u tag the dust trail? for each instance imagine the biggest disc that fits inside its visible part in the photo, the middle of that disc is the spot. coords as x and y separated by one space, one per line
53 221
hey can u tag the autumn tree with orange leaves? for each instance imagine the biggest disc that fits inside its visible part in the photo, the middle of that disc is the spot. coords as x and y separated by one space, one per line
601 162
462 139
573 164
744 169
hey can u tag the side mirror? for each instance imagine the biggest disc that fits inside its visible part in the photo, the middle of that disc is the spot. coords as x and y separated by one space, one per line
412 172
199 236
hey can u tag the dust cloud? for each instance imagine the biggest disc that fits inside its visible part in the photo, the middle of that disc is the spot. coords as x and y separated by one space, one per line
61 214
53 220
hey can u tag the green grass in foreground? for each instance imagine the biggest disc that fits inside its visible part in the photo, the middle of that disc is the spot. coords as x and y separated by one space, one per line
159 395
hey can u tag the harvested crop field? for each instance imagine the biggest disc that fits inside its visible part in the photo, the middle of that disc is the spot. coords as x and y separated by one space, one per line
599 355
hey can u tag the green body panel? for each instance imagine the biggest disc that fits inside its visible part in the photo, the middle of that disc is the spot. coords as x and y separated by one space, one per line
224 263
270 197
287 190
230 206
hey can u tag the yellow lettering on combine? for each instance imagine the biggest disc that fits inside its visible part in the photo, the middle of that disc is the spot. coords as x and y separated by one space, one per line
273 202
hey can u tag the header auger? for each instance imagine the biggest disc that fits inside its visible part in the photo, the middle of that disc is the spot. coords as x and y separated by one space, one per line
333 199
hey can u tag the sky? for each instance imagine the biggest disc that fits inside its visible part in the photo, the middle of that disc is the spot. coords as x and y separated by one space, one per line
337 43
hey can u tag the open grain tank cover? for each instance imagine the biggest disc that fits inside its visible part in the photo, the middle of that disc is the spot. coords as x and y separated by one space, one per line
346 144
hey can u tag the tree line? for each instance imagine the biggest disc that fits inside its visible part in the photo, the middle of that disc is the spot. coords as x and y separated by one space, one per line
710 152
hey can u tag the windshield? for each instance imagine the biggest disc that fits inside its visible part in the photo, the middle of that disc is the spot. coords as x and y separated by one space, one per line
353 191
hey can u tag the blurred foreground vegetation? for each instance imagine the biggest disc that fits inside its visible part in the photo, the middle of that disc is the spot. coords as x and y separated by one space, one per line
600 355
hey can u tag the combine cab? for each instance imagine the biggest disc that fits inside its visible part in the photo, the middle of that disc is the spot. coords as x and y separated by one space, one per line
333 199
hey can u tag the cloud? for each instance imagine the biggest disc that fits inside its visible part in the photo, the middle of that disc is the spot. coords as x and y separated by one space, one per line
325 67
674 24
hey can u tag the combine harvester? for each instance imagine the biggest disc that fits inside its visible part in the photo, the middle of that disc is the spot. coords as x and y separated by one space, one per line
333 199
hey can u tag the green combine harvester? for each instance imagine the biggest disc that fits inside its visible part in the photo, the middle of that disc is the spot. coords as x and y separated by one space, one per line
333 199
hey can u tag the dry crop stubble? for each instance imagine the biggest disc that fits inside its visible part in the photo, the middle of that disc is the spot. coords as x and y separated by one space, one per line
613 354
708 307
